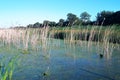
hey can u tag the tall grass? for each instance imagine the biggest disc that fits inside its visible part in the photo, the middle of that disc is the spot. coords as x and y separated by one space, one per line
104 38
23 38
33 39
7 69
28 38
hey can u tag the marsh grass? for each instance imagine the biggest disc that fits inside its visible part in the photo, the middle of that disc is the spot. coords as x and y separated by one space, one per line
28 39
7 69
104 38
23 38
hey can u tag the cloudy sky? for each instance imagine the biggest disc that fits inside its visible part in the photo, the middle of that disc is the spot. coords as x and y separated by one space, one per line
23 12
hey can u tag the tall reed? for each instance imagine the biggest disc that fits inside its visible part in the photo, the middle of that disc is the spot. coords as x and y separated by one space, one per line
101 37
84 35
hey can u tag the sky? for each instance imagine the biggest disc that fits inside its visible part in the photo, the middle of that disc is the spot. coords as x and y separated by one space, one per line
24 12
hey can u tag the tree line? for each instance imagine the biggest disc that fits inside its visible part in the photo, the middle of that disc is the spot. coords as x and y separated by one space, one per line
102 18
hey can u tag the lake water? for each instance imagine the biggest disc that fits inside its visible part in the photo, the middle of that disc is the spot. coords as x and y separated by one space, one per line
58 60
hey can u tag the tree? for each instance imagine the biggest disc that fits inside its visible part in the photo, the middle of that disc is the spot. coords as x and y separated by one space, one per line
37 25
78 21
46 23
71 18
52 24
30 26
85 17
103 16
115 17
61 22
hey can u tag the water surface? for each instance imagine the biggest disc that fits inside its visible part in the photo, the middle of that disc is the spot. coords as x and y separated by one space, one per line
57 60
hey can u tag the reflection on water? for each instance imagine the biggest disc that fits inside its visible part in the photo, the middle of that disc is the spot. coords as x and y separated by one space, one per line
58 60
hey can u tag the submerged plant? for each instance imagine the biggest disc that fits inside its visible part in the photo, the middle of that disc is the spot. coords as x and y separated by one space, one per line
6 70
25 51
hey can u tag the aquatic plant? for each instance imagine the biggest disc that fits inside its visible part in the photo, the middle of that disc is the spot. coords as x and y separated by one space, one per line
103 38
28 38
7 69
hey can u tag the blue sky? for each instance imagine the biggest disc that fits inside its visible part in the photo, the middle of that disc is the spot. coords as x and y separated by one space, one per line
23 12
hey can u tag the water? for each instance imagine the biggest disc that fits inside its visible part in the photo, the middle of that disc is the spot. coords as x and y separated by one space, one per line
57 60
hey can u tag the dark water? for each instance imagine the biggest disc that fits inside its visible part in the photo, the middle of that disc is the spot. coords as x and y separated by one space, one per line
60 61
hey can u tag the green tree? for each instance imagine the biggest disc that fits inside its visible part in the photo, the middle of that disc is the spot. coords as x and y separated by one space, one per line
78 21
71 18
102 16
37 25
85 17
46 23
61 22
52 24
30 26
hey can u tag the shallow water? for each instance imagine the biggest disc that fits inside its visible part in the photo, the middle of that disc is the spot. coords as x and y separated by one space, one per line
58 60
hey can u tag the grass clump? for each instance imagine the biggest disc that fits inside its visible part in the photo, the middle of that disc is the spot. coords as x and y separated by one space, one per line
25 51
7 68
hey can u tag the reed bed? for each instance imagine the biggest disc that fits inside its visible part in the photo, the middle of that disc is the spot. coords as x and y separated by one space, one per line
32 38
22 38
105 41
26 38
23 41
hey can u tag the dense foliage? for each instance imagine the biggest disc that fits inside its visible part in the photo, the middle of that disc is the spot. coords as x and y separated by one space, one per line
103 18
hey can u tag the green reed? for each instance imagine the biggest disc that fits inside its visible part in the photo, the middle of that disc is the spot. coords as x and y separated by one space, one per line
7 69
